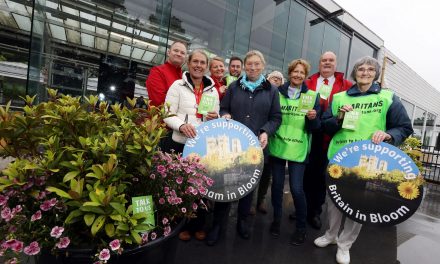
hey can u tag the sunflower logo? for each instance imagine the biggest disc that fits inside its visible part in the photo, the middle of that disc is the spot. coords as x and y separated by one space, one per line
335 171
408 190
254 155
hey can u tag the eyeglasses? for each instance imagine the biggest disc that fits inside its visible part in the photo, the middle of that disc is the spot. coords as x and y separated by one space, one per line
369 70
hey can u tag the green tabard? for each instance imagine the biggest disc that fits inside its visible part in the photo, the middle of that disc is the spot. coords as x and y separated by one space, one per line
291 141
373 108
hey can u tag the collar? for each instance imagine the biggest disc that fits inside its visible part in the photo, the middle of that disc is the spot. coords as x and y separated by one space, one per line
354 90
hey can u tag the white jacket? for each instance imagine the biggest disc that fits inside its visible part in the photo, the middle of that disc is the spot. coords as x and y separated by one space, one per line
182 102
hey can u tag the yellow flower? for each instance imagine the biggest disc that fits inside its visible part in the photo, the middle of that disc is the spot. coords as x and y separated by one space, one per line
408 190
335 171
254 155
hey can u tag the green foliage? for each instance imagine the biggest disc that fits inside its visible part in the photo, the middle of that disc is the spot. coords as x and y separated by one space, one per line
411 146
85 157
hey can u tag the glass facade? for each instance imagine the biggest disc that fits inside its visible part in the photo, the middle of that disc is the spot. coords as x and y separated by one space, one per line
84 47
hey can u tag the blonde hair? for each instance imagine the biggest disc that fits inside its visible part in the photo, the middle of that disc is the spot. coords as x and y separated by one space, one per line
254 53
217 58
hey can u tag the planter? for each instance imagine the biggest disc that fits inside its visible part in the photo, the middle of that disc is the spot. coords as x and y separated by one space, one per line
159 251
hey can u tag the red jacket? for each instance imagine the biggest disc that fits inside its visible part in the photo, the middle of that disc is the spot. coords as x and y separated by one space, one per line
159 81
219 83
340 85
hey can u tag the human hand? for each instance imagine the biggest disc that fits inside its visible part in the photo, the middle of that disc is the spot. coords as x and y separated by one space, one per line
227 116
211 115
188 130
344 109
311 114
380 136
222 89
263 140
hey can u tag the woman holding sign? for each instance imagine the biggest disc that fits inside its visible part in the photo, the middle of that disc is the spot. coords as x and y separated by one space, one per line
192 100
365 111
290 144
254 102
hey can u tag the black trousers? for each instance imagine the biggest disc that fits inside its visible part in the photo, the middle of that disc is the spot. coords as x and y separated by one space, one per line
221 209
314 179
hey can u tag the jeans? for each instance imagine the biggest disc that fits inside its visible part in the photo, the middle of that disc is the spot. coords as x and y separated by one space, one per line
296 175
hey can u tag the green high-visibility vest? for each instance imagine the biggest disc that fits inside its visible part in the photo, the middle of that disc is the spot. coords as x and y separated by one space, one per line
373 109
291 141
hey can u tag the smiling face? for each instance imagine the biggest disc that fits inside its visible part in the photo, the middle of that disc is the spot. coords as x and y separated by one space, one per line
327 64
365 75
177 54
217 69
253 66
197 66
235 68
297 76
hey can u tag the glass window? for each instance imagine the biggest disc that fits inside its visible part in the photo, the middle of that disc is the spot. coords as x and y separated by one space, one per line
428 140
314 39
419 119
269 29
409 107
14 50
295 33
359 49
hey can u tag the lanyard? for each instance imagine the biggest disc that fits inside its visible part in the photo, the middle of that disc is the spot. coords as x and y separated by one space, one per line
198 94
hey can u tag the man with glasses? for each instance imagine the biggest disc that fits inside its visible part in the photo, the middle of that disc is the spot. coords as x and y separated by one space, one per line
326 82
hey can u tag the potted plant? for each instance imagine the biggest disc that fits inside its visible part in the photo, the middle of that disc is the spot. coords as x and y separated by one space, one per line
78 173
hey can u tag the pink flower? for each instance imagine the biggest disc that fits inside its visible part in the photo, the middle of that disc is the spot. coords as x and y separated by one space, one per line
53 202
145 237
165 221
57 231
12 261
104 254
17 209
179 180
7 214
32 249
115 244
36 216
209 182
63 243
195 206
161 200
166 190
13 244
203 190
153 236
167 230
41 195
45 206
3 200
161 169
183 209
152 176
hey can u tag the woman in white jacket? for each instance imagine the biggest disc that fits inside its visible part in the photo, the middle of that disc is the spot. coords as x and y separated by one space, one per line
183 99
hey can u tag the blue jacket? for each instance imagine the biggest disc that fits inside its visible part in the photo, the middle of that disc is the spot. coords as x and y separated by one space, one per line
398 124
259 110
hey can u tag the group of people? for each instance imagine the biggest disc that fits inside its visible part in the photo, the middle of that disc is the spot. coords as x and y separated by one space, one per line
270 107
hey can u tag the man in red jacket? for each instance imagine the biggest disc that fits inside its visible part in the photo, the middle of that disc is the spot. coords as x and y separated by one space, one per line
327 82
162 76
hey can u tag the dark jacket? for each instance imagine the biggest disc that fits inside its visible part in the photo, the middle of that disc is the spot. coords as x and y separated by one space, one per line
259 110
398 124
311 125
